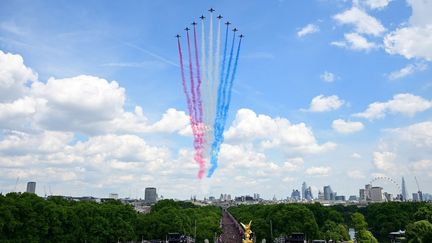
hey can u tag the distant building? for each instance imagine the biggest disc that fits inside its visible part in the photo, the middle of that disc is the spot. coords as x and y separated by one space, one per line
404 190
150 195
308 194
368 189
362 195
353 198
31 187
320 195
415 197
340 198
113 196
329 195
303 191
295 195
376 194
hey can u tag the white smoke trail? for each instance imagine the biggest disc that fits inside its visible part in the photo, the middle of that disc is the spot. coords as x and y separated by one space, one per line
216 73
210 91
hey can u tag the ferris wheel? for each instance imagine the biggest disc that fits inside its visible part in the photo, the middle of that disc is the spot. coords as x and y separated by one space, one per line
387 180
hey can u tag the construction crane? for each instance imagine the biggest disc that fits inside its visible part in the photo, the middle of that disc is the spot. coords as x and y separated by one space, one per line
420 193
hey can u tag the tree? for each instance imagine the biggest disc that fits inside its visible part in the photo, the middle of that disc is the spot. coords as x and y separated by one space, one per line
419 232
360 226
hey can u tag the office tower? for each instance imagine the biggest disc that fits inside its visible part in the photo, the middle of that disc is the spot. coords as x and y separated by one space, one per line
362 195
150 195
308 194
295 195
368 189
404 191
376 194
303 191
415 197
31 187
328 193
320 195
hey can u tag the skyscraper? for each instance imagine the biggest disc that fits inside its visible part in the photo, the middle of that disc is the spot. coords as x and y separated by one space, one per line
308 194
295 195
328 193
150 195
377 194
303 191
404 191
31 187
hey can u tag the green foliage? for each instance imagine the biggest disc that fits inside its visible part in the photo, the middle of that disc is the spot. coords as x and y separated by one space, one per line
29 218
419 232
384 218
284 219
335 232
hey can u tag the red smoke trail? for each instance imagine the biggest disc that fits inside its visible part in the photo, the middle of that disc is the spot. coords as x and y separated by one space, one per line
197 123
188 101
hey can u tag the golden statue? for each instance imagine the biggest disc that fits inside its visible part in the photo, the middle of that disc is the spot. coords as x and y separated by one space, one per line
247 232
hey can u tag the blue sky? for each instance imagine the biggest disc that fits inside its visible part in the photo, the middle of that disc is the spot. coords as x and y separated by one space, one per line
344 55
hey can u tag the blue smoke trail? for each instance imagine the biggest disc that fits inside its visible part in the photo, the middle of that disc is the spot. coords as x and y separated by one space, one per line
221 113
230 85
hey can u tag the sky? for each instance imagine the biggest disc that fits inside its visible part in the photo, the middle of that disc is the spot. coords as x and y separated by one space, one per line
330 92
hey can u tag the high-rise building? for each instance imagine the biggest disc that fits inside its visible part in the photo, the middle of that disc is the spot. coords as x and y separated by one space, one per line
368 189
376 194
362 195
320 195
328 193
295 195
31 187
303 191
404 190
308 194
415 197
150 195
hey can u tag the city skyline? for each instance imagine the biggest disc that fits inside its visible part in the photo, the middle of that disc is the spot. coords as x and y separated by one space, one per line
327 91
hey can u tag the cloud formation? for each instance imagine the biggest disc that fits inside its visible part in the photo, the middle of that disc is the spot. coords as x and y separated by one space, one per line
323 103
308 29
346 127
406 104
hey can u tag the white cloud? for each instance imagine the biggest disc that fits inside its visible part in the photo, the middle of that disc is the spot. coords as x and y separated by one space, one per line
346 127
308 29
406 104
418 135
384 160
362 22
410 42
414 40
14 75
377 4
407 70
319 170
274 133
356 156
356 174
293 164
354 41
323 103
422 165
78 103
328 77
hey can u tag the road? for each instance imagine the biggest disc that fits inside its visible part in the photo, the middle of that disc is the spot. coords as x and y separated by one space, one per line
230 233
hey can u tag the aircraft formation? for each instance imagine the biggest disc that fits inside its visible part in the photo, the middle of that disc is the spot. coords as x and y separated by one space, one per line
208 91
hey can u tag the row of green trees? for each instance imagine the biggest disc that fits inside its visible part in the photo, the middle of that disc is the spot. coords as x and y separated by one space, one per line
372 223
29 218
